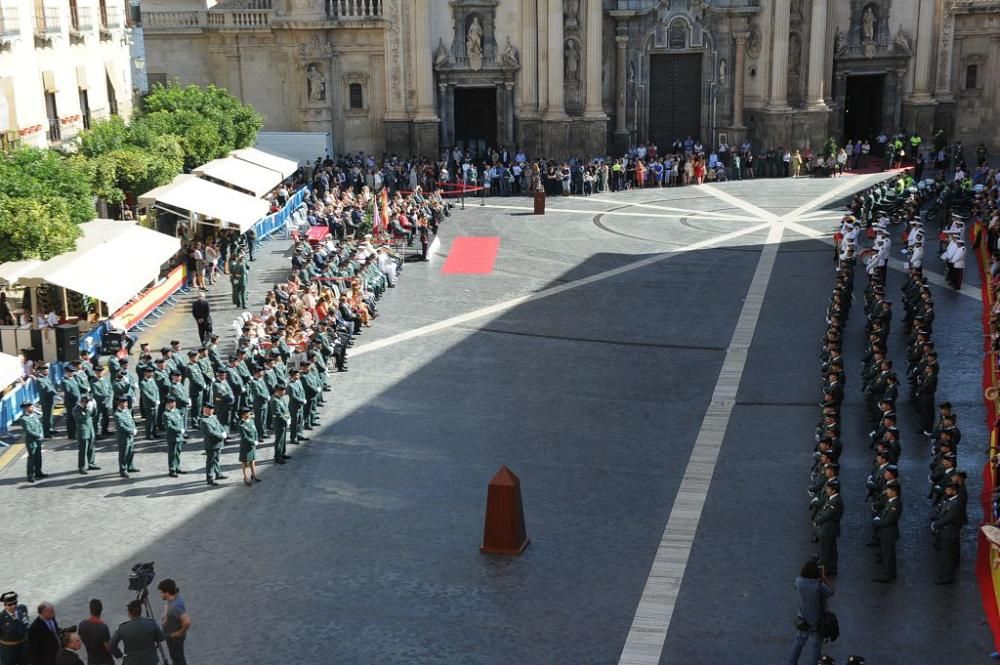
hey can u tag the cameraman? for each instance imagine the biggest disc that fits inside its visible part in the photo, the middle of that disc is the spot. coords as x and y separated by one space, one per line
812 590
176 621
140 635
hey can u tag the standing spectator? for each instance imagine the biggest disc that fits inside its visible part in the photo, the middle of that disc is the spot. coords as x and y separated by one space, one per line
812 589
211 261
176 621
43 636
96 636
199 266
6 316
202 313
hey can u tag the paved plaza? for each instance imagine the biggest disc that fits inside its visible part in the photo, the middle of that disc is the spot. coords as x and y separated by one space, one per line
646 362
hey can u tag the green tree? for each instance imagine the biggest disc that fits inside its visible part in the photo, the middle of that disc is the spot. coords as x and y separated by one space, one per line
105 136
33 228
47 176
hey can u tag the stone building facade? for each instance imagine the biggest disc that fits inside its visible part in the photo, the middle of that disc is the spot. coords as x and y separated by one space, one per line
585 77
63 64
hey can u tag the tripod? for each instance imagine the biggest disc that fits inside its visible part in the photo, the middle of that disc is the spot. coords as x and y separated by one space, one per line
144 597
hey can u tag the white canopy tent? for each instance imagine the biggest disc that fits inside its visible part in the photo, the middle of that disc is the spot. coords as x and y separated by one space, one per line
12 271
194 196
247 176
10 369
112 262
148 199
285 167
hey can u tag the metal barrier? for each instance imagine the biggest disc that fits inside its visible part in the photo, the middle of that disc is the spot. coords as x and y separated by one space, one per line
277 220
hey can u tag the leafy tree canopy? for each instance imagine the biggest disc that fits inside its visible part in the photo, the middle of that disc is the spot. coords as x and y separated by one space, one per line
34 228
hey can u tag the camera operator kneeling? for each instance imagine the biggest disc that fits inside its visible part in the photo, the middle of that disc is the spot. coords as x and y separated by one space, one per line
140 635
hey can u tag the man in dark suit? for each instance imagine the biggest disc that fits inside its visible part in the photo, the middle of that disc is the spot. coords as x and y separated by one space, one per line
67 655
348 315
43 636
202 313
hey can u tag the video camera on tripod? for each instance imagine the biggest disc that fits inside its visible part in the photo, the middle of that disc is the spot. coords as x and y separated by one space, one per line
139 580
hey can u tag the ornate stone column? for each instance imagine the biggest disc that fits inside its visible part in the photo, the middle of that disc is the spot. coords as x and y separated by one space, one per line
924 51
542 53
425 120
529 58
443 110
779 55
592 105
621 90
816 94
557 107
738 74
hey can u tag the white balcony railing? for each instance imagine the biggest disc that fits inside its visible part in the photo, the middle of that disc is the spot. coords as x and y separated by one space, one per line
354 10
10 22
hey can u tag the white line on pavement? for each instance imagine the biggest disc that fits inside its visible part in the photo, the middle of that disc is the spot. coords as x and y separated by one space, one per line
646 637
756 211
663 207
531 297
693 214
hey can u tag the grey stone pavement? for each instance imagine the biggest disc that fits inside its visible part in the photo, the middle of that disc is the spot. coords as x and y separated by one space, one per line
364 548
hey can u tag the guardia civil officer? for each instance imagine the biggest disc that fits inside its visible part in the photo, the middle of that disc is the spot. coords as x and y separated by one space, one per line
33 435
140 635
84 435
248 446
827 523
281 418
125 430
173 431
13 631
947 527
886 523
46 397
214 438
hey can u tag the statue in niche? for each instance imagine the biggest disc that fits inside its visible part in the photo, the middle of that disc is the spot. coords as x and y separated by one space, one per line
868 22
722 72
509 57
754 41
441 56
315 83
572 60
838 42
901 44
474 44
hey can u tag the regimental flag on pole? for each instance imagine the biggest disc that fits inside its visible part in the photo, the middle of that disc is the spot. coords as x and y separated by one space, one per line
385 207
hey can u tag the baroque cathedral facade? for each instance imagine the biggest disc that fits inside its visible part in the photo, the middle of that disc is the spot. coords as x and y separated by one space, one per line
588 77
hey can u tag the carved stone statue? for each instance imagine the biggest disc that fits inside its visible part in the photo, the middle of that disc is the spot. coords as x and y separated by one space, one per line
722 72
572 12
572 72
315 83
754 42
901 44
474 44
838 42
441 55
509 56
868 22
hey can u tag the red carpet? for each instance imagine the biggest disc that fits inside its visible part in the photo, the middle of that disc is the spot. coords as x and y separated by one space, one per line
471 256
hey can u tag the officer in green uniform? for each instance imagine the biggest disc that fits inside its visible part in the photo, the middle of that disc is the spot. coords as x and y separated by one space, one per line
103 396
149 402
161 375
237 386
280 369
81 377
221 395
196 386
123 385
207 370
173 432
296 407
46 397
71 395
260 396
33 435
308 381
947 527
280 416
887 524
181 394
84 435
214 438
125 430
248 446
238 280
270 381
140 636
114 367
214 356
827 523
13 631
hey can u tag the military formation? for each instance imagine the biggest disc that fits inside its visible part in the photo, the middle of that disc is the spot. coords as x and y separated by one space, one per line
880 389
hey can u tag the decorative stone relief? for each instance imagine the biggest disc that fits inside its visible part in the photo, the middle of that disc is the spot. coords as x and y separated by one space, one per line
794 65
754 40
572 55
571 12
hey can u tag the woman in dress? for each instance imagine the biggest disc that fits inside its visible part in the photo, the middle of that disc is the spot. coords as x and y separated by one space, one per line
248 446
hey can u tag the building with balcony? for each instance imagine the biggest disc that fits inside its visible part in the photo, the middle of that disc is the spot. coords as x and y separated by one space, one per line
562 77
63 64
